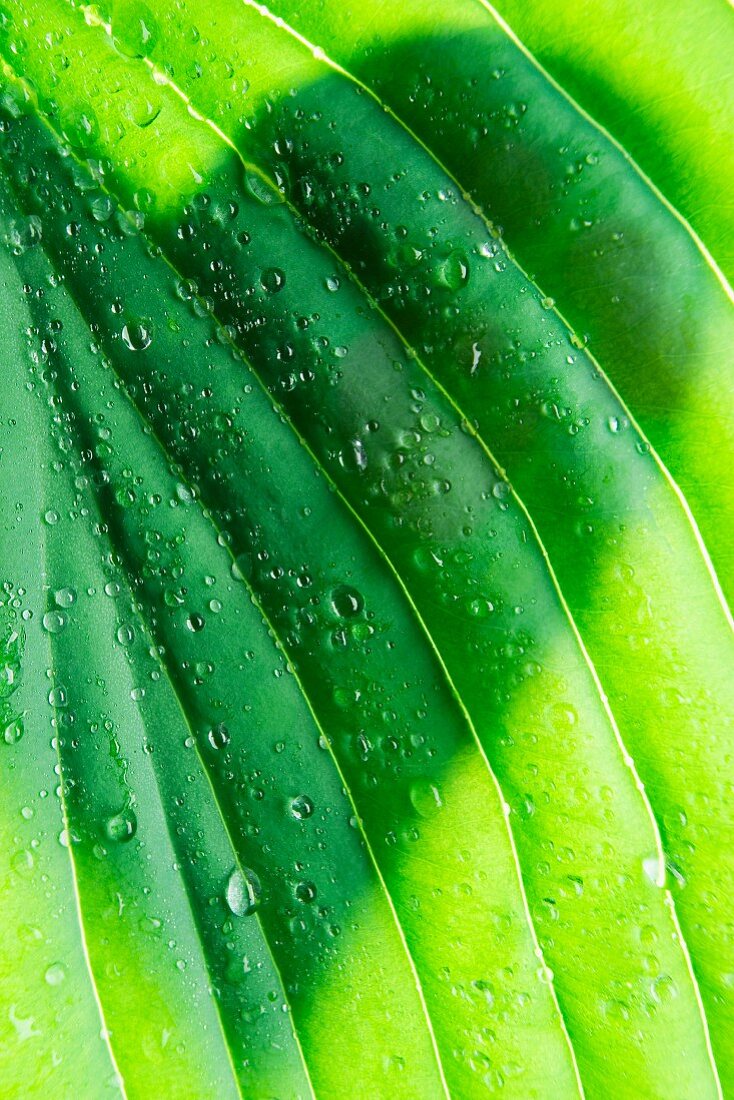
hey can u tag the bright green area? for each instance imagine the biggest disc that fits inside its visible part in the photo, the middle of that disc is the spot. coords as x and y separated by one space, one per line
660 79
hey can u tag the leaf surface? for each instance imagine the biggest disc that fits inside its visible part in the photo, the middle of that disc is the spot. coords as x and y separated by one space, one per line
388 585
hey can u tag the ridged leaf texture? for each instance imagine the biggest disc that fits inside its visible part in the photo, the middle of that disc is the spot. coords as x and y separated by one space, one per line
366 450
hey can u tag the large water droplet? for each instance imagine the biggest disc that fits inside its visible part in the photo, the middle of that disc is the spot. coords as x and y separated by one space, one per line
54 621
218 736
272 280
136 336
453 271
243 892
302 807
346 601
262 190
14 730
426 798
123 826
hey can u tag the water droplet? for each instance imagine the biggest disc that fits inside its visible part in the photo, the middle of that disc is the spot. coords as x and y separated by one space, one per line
123 826
243 892
346 601
14 730
654 870
426 798
134 28
305 892
55 974
262 190
11 652
136 336
57 696
65 597
218 736
54 621
302 807
272 280
126 634
617 424
453 272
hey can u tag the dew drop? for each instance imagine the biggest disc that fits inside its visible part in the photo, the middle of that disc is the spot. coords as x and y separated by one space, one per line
426 798
302 807
453 272
55 974
243 892
65 597
54 622
346 601
263 191
218 736
122 827
14 730
136 336
272 280
305 892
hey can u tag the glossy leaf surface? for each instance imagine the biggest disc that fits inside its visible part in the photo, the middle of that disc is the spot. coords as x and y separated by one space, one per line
369 696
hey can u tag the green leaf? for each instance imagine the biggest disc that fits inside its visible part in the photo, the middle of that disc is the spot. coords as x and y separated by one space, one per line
368 684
